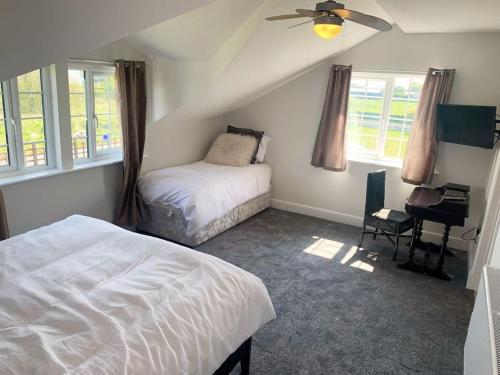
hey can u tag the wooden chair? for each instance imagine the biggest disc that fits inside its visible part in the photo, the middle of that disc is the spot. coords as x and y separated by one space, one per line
386 222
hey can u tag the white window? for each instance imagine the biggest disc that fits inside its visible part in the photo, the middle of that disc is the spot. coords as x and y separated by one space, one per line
382 108
26 134
33 140
95 122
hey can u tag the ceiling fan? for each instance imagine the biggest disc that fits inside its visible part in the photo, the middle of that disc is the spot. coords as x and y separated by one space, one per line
329 17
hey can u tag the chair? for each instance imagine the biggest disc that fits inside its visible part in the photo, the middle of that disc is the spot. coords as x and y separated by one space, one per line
387 222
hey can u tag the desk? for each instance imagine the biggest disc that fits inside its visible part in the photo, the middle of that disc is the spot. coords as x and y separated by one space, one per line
448 205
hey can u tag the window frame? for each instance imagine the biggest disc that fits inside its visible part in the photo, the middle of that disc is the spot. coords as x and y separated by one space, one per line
10 130
92 153
13 117
378 157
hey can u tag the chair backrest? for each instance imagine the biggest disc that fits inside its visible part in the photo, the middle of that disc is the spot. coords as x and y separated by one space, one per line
375 191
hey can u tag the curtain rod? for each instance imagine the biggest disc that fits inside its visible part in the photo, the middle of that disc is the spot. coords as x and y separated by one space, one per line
387 71
92 61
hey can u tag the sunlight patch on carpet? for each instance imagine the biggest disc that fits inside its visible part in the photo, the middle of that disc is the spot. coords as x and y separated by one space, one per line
324 248
359 264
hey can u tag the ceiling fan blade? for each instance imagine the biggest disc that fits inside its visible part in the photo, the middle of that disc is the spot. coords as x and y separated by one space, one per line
284 17
302 23
309 13
363 19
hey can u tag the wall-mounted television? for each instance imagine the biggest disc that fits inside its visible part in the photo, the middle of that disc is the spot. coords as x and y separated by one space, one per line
472 125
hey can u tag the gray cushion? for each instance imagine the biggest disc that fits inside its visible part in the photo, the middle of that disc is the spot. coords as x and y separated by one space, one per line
389 220
232 149
248 132
392 215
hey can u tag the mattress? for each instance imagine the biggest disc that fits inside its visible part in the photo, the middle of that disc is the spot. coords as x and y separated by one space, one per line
86 297
204 192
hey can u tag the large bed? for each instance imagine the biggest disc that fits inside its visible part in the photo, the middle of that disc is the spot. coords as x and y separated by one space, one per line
192 203
84 296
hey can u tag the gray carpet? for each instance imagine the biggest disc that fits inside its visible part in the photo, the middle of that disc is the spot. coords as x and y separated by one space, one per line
355 313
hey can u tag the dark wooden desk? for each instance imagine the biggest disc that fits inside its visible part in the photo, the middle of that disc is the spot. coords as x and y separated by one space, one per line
448 205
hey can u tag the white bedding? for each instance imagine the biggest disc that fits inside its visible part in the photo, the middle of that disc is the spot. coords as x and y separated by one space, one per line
204 192
84 296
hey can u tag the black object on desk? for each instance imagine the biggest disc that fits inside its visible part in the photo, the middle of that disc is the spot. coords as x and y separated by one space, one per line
448 205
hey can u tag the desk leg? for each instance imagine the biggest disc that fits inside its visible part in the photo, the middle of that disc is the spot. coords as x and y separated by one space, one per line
420 226
429 247
417 232
438 271
410 265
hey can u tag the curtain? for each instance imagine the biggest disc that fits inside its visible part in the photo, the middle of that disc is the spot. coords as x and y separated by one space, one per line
131 81
329 150
421 152
4 226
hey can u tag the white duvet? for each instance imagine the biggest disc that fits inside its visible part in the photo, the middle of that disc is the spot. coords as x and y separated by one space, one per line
203 191
83 296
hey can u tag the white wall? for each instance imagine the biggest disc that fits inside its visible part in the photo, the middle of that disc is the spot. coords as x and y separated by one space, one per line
173 141
487 250
495 244
39 33
290 116
91 192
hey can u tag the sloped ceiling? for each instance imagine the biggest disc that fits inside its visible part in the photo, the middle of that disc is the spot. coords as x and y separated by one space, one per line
215 54
257 56
275 54
197 35
37 33
224 55
444 16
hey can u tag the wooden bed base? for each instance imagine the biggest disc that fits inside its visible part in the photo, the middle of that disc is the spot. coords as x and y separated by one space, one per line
242 354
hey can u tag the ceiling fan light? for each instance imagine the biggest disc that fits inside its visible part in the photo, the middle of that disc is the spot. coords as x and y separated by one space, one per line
328 27
327 31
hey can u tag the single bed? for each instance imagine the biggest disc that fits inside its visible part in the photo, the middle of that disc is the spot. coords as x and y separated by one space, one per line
192 203
84 296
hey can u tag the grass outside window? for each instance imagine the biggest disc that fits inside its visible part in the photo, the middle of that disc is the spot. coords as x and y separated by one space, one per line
382 108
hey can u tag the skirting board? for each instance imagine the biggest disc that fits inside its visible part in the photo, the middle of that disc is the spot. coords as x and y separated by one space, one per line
357 221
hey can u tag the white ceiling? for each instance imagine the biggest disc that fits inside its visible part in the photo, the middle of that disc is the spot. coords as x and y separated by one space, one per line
444 16
197 35
274 54
226 55
39 33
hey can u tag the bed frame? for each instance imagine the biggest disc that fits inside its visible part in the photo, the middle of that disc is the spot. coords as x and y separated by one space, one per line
242 355
168 222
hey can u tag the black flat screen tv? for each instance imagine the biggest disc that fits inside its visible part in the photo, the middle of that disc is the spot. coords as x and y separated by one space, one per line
471 125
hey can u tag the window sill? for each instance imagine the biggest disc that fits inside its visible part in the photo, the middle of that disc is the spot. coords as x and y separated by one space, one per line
379 162
11 180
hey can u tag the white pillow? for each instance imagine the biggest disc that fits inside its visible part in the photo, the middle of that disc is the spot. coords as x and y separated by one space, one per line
264 143
232 149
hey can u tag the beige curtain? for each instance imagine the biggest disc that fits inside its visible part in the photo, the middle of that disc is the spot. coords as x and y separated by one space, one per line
421 153
4 226
131 79
329 150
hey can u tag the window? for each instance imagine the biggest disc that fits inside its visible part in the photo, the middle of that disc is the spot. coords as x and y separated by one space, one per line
382 108
31 106
95 124
33 140
78 112
25 138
